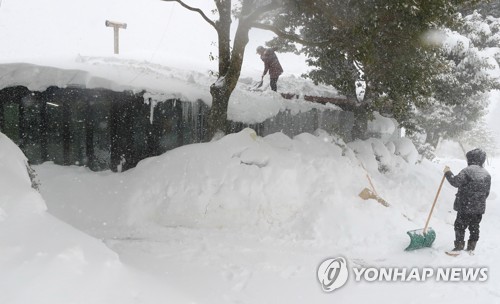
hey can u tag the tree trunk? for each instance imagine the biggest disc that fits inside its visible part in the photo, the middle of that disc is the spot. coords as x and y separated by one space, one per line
221 90
217 119
230 61
224 35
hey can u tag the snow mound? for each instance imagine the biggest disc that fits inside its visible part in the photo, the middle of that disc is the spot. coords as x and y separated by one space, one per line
55 262
406 149
16 194
292 186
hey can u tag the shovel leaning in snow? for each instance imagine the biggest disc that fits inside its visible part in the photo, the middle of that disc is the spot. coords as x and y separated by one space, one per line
422 238
371 193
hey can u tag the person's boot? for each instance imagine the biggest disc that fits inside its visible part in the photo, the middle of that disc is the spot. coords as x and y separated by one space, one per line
471 246
459 246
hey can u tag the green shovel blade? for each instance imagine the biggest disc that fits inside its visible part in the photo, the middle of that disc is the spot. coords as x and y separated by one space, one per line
420 240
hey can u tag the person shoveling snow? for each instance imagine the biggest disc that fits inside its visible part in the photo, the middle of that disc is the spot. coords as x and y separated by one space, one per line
473 184
271 64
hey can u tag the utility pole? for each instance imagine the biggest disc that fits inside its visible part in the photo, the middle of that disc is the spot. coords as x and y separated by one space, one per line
116 27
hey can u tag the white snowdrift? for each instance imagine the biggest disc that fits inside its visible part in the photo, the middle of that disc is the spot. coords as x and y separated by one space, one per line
235 216
305 187
43 260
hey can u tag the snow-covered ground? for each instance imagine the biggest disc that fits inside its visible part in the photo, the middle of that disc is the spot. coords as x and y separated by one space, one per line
240 220
44 260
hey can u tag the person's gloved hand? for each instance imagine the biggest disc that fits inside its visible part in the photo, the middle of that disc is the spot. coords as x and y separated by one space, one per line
446 169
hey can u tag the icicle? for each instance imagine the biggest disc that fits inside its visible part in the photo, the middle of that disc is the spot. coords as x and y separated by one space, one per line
152 104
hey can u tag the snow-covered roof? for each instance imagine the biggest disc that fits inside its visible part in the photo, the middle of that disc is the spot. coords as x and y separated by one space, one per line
162 82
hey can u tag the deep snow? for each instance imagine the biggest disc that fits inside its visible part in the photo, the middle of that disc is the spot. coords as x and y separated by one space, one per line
240 220
247 220
44 260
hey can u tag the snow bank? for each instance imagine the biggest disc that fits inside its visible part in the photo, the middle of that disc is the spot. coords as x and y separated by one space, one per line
406 149
291 186
235 216
44 260
16 194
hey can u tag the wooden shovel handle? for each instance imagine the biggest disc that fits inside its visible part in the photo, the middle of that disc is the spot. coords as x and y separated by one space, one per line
371 184
368 177
434 204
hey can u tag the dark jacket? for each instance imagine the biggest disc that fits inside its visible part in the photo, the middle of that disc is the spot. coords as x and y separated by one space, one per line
271 63
473 184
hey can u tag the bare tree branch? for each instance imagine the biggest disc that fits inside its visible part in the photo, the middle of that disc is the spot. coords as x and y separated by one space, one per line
290 36
194 9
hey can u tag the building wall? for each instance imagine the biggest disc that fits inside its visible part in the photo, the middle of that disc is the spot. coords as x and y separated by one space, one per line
103 129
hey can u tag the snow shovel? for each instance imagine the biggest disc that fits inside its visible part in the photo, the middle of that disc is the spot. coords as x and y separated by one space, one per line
422 238
258 84
371 193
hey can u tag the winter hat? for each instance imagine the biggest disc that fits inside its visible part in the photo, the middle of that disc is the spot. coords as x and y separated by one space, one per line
476 157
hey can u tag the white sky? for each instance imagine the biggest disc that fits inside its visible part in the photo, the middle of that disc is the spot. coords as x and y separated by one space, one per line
51 31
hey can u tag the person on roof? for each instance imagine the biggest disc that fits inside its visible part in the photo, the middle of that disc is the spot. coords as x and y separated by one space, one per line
271 64
473 184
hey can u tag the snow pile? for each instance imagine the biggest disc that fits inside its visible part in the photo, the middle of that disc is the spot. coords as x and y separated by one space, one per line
305 187
235 216
43 260
406 149
14 183
239 181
